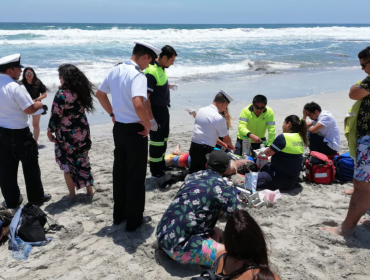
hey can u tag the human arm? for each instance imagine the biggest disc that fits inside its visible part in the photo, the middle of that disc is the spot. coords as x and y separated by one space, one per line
42 90
148 107
316 128
220 125
56 114
105 103
33 108
270 122
221 143
357 92
227 141
24 100
305 114
269 152
138 102
276 146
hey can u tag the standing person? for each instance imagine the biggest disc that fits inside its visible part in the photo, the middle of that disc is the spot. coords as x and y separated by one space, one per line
360 200
16 141
253 122
286 156
37 91
208 127
128 86
72 131
323 131
157 107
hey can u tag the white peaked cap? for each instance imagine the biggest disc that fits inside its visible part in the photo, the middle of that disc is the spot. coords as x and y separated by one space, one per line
149 46
13 60
226 95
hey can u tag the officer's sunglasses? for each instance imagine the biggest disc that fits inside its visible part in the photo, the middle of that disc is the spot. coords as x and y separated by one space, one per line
259 108
364 64
29 74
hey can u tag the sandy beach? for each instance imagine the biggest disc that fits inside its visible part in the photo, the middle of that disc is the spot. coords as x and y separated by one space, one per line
92 248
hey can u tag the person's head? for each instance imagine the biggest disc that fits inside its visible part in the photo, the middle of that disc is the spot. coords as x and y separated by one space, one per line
293 124
218 161
245 241
222 101
144 54
364 57
74 79
259 104
313 110
11 66
167 56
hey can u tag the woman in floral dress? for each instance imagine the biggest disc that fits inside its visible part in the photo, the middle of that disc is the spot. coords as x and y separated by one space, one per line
72 132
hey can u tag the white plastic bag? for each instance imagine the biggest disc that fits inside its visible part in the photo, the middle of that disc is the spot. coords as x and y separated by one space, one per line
250 182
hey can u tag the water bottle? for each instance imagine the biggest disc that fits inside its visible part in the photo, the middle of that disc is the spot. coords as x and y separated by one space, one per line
246 148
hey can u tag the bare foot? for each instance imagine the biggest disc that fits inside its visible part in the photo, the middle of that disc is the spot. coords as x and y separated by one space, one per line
349 192
365 222
339 231
70 197
90 191
177 150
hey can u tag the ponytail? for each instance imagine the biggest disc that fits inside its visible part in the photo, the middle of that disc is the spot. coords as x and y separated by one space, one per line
264 273
227 117
298 126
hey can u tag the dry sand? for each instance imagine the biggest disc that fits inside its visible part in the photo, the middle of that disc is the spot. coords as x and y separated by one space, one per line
92 248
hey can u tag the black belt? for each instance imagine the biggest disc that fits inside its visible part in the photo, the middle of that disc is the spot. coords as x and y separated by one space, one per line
15 131
202 146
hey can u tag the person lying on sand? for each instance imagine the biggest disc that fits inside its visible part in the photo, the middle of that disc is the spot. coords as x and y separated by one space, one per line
187 231
179 158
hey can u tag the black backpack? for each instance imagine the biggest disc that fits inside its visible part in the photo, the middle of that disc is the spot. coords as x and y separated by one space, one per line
33 220
210 274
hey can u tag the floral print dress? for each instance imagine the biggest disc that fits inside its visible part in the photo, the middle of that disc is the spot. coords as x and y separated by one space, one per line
68 121
194 212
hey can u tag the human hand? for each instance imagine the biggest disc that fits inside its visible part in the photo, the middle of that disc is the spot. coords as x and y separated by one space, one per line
153 125
51 137
146 130
255 138
231 147
305 113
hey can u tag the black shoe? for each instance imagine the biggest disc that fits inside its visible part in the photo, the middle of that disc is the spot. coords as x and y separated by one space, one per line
20 200
168 168
145 220
46 198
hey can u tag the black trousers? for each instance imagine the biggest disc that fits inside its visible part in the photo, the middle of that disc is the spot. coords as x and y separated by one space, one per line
18 145
239 146
270 179
197 154
129 172
158 140
317 144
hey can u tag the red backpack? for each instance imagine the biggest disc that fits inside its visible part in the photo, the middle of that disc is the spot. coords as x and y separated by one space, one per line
319 169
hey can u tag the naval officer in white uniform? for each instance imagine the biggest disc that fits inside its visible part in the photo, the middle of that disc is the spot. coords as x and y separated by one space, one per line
128 86
16 140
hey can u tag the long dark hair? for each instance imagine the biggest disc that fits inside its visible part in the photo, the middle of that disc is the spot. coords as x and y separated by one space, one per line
245 241
298 126
35 81
77 82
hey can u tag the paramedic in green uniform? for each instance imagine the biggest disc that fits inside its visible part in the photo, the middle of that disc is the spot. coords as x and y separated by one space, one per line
253 122
157 108
286 156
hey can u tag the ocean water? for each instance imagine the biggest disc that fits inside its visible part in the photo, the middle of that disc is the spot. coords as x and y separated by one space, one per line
246 59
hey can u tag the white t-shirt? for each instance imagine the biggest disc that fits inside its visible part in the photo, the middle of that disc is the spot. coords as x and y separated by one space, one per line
124 82
14 98
209 125
330 131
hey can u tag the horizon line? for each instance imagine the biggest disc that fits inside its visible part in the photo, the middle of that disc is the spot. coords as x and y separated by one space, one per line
181 23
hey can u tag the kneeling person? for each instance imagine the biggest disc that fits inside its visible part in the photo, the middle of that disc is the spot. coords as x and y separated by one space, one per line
187 231
209 126
286 161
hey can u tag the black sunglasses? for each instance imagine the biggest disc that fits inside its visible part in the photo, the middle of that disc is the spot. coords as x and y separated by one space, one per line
364 65
259 108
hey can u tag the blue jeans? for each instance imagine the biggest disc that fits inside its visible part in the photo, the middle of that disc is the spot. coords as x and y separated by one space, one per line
317 144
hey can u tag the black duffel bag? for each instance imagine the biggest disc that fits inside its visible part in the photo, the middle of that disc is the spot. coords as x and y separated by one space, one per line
32 224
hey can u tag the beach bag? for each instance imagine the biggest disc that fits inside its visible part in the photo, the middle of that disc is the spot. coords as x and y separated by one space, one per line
210 274
319 169
344 167
32 224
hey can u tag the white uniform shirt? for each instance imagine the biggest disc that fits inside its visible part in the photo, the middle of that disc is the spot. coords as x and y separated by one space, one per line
124 82
330 131
14 98
209 125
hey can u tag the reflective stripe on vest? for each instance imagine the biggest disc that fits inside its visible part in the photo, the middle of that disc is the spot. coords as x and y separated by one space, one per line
294 144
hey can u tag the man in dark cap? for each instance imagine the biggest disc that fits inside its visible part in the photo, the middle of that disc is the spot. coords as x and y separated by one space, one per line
16 140
128 86
187 231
